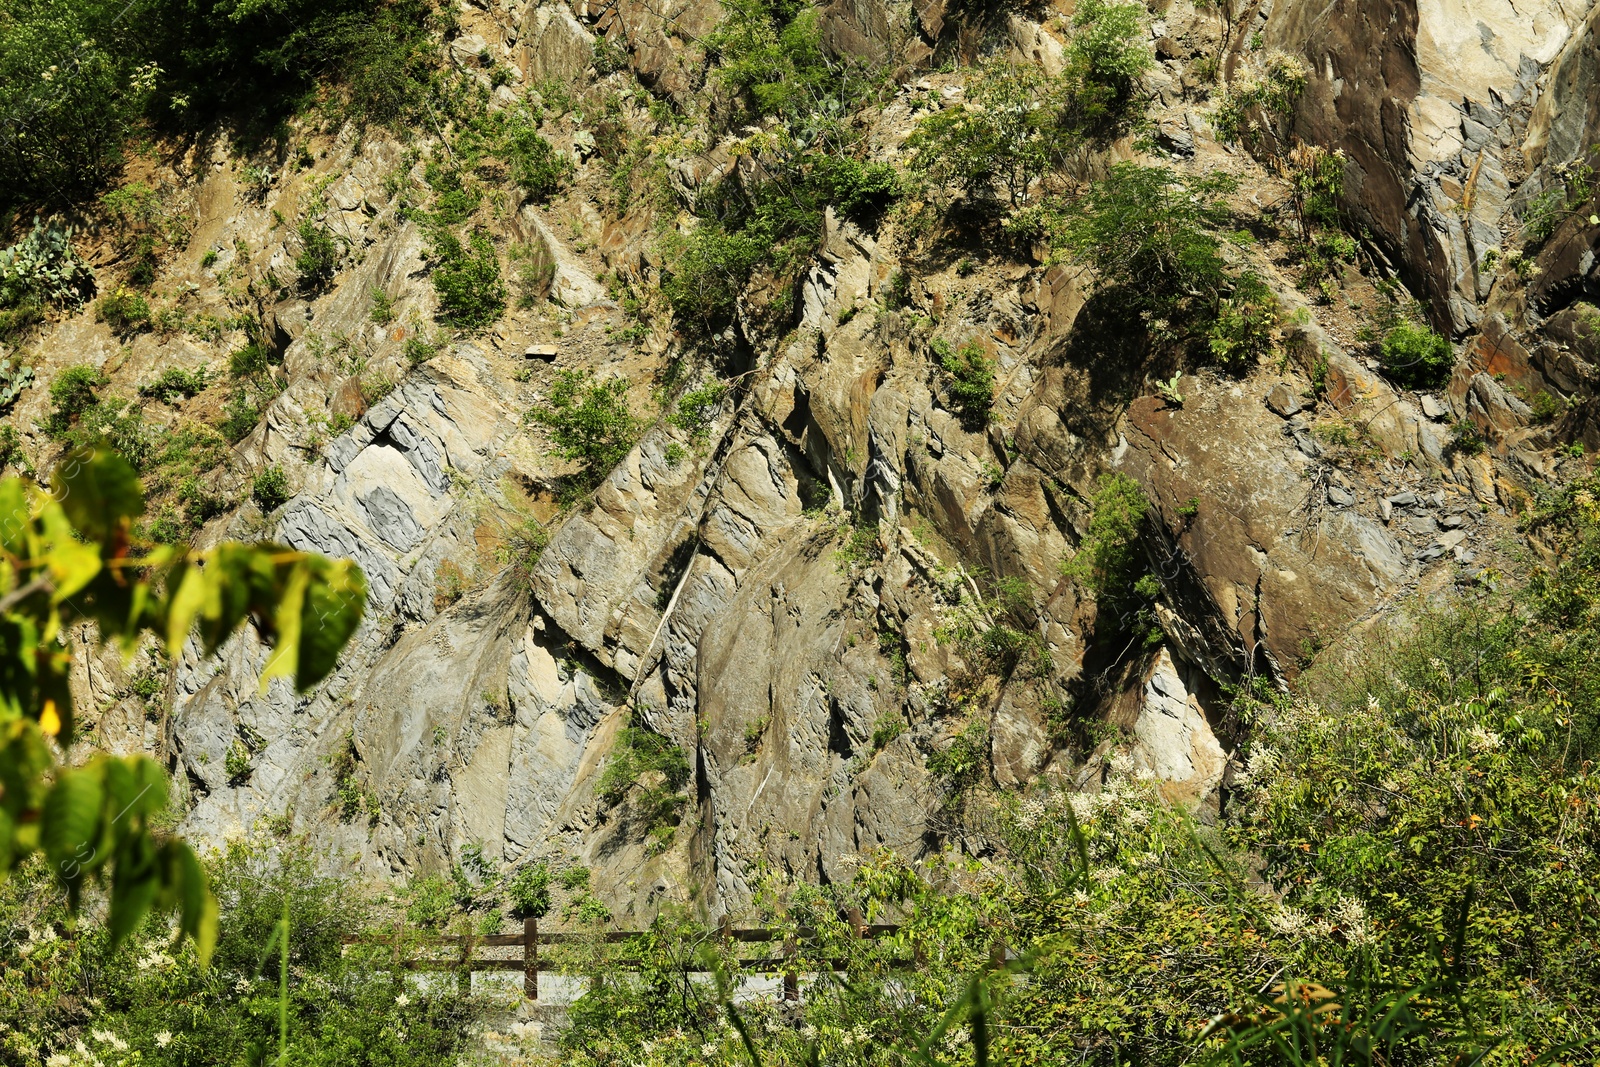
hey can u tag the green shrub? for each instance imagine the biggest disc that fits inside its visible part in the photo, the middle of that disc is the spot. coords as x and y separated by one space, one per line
454 201
1544 404
254 360
529 890
1021 125
963 762
124 311
1415 355
535 163
270 489
91 76
768 54
153 1003
709 269
318 258
12 455
698 407
589 423
1150 232
466 279
968 381
654 767
1108 54
861 192
1110 558
1268 96
1243 328
175 382
1016 129
240 415
74 392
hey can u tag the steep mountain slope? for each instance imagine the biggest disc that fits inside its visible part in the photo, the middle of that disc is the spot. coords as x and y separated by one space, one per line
837 595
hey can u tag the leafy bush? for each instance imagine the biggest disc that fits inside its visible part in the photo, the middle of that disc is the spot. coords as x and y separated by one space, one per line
1020 125
968 381
252 361
1151 232
589 423
270 489
318 258
536 165
175 382
74 392
466 279
240 415
1243 328
654 766
1110 554
1414 354
124 311
1259 104
529 890
861 192
709 269
1016 128
1108 54
454 200
769 56
698 407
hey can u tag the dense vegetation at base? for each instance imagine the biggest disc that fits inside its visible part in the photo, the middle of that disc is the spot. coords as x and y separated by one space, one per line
67 997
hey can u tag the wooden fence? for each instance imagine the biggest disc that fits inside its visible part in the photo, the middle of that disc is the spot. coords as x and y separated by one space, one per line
462 960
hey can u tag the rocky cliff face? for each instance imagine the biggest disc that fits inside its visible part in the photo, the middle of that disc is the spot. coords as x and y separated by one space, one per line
781 594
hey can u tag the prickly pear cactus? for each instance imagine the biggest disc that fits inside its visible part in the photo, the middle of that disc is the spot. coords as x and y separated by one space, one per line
42 267
13 380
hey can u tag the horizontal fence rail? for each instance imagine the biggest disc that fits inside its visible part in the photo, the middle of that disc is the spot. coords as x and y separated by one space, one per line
465 963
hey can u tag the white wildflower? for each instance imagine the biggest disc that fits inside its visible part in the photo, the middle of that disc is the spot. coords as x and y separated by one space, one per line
1079 896
957 1038
242 985
1029 812
1122 764
163 1039
1262 762
1138 818
1351 917
808 1032
1104 875
402 1000
1288 921
1083 805
1482 740
106 1037
58 1059
709 1050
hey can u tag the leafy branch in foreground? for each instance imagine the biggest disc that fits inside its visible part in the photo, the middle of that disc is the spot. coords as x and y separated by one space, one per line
67 558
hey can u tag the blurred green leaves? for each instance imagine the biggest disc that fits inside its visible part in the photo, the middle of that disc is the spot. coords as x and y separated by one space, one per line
68 558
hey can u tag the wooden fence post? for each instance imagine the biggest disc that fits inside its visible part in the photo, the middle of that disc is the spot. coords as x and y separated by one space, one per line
530 958
464 979
791 980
